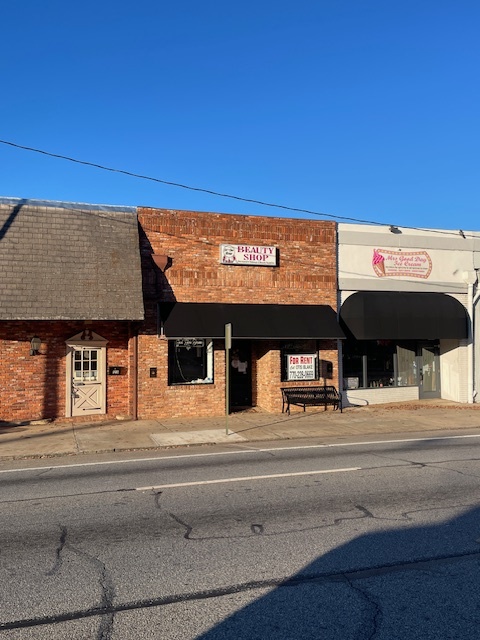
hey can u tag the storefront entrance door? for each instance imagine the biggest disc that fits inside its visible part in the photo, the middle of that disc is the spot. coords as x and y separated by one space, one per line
86 374
88 387
429 371
240 375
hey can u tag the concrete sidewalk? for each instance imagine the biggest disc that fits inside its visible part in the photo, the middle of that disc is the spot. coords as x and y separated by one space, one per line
430 418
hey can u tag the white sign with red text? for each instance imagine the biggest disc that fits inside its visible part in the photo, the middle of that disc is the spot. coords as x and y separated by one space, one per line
301 366
248 255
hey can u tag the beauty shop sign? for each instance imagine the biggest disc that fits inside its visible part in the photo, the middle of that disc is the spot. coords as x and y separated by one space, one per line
248 255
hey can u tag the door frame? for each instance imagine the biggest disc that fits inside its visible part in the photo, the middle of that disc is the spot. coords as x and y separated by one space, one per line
245 344
435 347
86 339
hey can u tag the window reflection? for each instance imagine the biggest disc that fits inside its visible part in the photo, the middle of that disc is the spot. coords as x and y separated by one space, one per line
407 366
85 365
379 363
190 361
380 371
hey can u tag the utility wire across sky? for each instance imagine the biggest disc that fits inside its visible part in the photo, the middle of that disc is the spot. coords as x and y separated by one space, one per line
225 195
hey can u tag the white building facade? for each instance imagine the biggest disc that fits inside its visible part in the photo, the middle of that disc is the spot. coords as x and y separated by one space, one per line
407 301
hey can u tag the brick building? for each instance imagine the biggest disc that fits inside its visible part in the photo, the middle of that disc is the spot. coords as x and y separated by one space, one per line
70 294
109 312
273 279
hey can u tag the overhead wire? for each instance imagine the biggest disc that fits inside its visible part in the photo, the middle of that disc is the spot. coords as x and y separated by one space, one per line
227 195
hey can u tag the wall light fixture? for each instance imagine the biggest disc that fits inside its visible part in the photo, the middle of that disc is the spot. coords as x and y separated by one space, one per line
35 344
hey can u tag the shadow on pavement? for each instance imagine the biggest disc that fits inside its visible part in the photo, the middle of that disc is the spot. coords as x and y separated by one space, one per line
22 430
402 583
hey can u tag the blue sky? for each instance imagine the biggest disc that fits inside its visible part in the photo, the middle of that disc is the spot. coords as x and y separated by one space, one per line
365 109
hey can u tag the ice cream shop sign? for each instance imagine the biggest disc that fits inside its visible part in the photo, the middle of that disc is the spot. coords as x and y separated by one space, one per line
413 264
248 255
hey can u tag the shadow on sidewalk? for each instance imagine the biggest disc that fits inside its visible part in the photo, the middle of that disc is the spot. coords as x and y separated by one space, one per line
23 430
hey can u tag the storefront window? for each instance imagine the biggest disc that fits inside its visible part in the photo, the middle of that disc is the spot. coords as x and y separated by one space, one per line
407 365
380 371
378 363
300 360
353 364
190 361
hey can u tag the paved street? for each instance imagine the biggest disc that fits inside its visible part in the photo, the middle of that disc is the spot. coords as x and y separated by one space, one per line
286 540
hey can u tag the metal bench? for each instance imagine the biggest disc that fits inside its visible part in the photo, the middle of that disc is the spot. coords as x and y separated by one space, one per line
311 396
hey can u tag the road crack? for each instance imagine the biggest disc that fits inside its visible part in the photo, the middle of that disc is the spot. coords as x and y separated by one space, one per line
105 582
188 528
433 465
105 629
107 608
375 609
407 514
398 459
462 473
58 555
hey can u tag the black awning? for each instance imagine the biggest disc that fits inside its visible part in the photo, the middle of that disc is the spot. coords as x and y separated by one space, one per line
394 315
255 321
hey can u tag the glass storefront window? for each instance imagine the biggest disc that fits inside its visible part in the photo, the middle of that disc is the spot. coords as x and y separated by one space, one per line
379 363
407 365
190 361
353 364
380 371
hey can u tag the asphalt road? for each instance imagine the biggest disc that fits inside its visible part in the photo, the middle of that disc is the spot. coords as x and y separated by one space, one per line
362 541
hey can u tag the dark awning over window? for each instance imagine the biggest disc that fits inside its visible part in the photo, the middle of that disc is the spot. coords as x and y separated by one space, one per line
371 315
256 321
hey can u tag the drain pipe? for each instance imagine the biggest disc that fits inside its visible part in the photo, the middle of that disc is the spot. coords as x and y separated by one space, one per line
474 384
471 279
135 374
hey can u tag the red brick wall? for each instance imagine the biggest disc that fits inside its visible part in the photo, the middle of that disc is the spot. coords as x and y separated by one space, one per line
34 387
306 275
157 399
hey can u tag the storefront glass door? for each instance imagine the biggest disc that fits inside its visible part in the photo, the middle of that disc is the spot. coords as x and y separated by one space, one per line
429 370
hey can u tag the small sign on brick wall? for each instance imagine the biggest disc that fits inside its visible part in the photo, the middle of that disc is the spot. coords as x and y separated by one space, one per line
115 371
248 255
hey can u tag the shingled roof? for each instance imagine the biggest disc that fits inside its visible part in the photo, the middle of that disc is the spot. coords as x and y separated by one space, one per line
69 261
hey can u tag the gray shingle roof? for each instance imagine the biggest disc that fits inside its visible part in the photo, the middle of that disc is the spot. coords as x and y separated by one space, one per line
69 261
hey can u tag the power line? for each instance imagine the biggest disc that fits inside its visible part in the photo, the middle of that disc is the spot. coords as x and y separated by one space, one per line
222 195
182 186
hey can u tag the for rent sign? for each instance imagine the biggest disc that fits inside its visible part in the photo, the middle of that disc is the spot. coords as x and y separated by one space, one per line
248 255
301 366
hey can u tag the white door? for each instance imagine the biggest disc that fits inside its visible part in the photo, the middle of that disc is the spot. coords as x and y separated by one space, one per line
87 383
86 376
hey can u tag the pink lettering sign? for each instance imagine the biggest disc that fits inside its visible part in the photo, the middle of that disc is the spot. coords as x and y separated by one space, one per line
412 264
